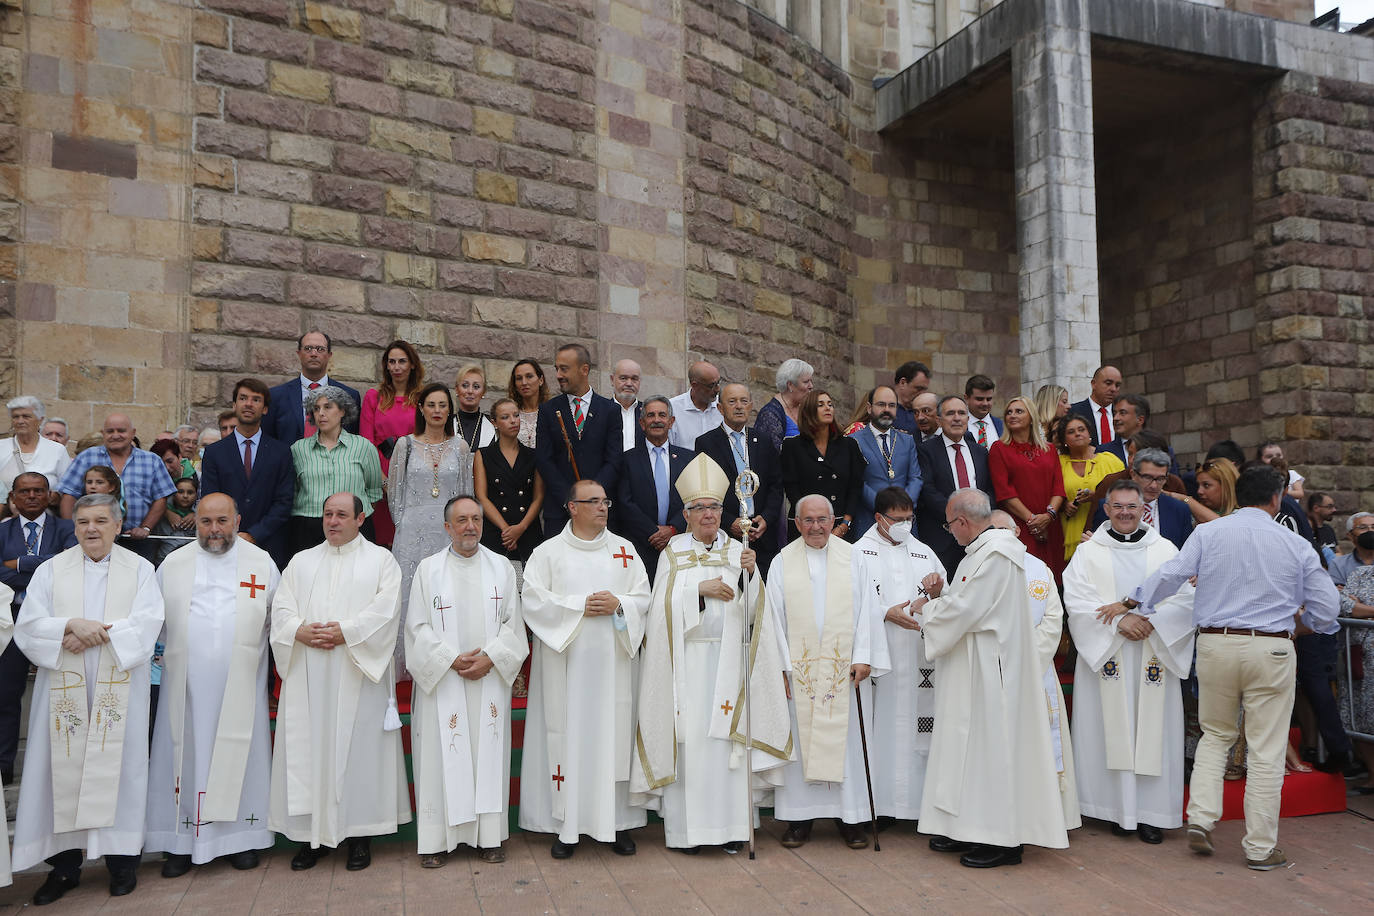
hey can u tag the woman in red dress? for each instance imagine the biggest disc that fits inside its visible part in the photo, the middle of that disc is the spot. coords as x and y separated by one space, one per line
388 412
1028 483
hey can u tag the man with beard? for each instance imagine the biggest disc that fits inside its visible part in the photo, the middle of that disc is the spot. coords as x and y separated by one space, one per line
890 456
209 776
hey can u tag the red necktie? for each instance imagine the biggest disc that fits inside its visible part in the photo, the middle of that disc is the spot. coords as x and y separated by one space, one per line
983 433
309 421
1149 516
960 469
248 458
1106 435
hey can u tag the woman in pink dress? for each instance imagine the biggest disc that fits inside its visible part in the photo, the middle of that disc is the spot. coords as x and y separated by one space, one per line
389 413
1028 483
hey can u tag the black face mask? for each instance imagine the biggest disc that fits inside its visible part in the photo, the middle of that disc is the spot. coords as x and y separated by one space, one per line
1366 540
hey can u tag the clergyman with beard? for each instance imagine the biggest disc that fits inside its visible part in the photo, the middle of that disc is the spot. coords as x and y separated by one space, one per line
210 771
889 453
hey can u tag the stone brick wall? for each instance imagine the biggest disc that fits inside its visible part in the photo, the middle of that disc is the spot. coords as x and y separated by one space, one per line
11 87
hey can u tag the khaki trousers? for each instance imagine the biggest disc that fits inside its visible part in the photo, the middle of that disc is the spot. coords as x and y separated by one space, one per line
1258 674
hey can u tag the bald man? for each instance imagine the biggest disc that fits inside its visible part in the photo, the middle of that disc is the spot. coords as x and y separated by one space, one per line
695 410
146 483
625 378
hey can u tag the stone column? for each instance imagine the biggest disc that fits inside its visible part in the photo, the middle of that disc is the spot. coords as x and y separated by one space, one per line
1056 199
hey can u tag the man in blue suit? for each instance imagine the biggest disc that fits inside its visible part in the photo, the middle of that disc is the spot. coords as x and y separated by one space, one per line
648 508
890 455
1097 406
286 421
948 462
983 428
1169 515
27 540
577 435
734 446
256 470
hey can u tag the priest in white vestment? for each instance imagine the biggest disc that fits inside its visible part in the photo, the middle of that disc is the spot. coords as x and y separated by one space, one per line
210 771
585 598
1128 700
833 644
89 622
337 769
690 742
6 634
892 562
465 642
991 784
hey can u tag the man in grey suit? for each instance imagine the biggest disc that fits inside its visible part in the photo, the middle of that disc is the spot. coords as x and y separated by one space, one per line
890 455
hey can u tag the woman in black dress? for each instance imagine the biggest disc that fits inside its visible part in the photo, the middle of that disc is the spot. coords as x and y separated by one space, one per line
509 489
820 460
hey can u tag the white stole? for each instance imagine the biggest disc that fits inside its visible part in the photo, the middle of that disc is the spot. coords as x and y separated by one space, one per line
87 756
462 801
820 661
1039 590
234 732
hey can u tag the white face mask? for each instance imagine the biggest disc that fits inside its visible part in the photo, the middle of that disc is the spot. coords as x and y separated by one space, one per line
899 531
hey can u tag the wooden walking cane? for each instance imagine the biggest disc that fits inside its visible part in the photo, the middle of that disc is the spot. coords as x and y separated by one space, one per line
746 485
568 442
868 774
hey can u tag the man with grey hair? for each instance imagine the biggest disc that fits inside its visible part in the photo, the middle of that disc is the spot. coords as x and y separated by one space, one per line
56 429
696 408
625 379
991 784
1359 528
89 623
648 509
26 451
188 442
287 419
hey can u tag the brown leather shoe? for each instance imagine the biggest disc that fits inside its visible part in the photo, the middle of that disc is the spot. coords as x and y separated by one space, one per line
493 854
796 834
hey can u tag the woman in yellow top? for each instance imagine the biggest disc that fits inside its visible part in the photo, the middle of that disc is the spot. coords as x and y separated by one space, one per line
1083 468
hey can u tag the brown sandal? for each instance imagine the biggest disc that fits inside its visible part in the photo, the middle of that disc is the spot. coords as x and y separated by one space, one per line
433 860
495 855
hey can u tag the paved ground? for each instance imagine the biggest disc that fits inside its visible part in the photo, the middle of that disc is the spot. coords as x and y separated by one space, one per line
1332 872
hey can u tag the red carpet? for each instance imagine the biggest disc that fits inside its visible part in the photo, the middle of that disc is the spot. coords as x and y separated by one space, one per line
1303 793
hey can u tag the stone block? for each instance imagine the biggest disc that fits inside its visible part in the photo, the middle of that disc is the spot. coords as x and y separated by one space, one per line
425 14
496 187
456 116
260 250
505 313
425 77
409 270
349 60
342 261
275 11
346 193
280 182
367 96
355 331
300 150
324 224
407 204
222 281
497 125
325 293
330 21
210 30
271 41
443 177
95 383
232 69
258 110
260 320
207 244
405 138
475 278
240 212
393 300
525 284
374 164
480 246
299 82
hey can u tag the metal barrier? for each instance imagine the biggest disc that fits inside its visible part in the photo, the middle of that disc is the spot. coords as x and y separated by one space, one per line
1348 690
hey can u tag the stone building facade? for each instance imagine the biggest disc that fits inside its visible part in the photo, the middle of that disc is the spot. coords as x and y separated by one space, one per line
1020 188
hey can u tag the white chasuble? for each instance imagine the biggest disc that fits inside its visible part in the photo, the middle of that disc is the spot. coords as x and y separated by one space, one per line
575 774
86 761
460 729
6 634
336 771
210 771
690 738
820 607
1047 617
903 700
1128 706
991 777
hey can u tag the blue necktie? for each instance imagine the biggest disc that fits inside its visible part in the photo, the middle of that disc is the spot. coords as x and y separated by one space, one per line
31 542
661 484
747 508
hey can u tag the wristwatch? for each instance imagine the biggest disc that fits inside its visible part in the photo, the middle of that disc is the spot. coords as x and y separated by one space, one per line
1129 603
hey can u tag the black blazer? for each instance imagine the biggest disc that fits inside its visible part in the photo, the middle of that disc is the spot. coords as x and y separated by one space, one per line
636 500
57 535
763 461
597 450
265 503
838 475
285 419
1088 409
938 484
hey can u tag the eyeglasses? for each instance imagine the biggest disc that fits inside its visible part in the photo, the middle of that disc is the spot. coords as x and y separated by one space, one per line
1124 507
956 518
706 507
314 348
606 503
813 522
1152 478
893 521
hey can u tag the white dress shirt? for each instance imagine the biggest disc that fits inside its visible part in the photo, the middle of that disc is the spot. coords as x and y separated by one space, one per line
629 425
968 459
690 421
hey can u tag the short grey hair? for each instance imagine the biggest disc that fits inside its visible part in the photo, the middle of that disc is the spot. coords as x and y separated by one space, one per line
1350 522
65 427
338 397
1150 456
971 503
660 399
26 401
801 502
183 428
96 500
791 372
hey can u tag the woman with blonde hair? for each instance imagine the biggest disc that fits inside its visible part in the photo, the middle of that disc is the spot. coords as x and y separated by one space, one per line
1051 406
473 428
1028 483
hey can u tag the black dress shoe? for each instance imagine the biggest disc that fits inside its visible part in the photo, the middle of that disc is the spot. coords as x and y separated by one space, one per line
1152 835
945 844
176 865
53 888
624 844
359 854
688 850
796 834
854 836
122 883
306 857
1118 830
885 822
244 860
562 850
991 857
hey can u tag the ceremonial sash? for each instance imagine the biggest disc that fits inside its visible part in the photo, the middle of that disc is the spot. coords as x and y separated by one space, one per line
464 799
88 748
234 731
820 661
1039 597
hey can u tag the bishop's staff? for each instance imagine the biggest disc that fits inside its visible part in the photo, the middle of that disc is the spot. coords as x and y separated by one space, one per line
746 485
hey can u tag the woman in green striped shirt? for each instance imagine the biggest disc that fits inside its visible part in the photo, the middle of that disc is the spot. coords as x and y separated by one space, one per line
331 461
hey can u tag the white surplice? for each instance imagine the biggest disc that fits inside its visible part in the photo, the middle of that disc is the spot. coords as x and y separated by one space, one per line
579 726
1114 722
800 799
458 604
6 634
991 776
336 772
1047 616
689 749
38 632
217 622
903 700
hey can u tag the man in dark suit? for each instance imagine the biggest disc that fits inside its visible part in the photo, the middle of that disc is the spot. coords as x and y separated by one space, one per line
734 446
27 540
948 463
286 420
889 455
1130 413
1168 515
256 470
983 427
577 435
1097 406
648 508
625 389
910 379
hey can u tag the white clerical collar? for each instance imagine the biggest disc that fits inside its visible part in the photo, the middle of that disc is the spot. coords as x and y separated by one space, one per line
457 557
814 551
573 540
1137 535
